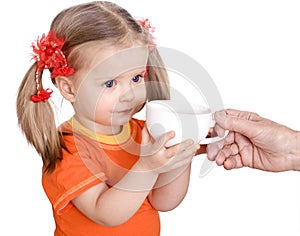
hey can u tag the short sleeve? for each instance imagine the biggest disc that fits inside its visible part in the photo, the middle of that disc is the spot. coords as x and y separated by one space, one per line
78 171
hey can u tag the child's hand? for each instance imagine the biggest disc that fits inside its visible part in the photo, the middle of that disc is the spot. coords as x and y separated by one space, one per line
154 156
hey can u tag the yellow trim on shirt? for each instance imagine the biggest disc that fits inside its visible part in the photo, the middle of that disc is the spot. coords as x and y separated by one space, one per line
120 138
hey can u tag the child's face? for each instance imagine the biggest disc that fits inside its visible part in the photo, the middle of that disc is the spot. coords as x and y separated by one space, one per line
111 90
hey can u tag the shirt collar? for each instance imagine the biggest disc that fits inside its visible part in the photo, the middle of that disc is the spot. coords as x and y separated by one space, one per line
120 138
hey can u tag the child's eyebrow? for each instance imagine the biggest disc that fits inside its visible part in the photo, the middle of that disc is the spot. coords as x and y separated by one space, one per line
133 73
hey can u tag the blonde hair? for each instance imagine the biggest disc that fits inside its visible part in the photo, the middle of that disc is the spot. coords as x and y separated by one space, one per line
78 25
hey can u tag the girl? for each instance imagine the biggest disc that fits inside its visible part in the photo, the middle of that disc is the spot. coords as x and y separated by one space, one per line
102 172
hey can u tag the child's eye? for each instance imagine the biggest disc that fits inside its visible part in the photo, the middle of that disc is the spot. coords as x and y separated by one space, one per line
136 78
109 83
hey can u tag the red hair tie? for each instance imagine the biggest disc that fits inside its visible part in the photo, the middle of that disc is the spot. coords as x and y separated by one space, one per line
42 95
145 23
47 52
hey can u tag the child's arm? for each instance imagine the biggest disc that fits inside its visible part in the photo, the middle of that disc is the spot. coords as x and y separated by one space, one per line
115 205
172 185
170 189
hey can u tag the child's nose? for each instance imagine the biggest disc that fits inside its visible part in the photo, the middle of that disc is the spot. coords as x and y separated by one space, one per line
127 95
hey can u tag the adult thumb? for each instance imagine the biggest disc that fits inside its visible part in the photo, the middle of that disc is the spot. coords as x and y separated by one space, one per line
237 121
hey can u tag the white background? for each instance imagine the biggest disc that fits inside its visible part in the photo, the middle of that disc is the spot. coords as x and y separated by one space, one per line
251 49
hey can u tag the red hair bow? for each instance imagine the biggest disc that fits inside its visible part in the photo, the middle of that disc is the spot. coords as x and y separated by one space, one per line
47 52
42 95
145 23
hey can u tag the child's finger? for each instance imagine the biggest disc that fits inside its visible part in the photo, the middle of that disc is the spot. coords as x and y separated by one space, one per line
150 148
163 139
185 157
188 153
174 150
146 137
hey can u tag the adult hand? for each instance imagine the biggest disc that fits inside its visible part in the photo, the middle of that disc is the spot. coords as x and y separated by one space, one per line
255 142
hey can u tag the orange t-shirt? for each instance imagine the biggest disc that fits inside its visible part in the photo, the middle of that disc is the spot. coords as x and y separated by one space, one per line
89 159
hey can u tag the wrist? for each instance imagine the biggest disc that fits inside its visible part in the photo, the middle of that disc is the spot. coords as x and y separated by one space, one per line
295 151
137 179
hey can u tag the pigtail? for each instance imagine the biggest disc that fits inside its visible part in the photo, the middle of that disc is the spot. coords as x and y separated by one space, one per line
37 122
157 80
60 48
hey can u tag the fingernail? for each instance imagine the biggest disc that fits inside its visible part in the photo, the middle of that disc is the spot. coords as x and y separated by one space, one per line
190 142
220 117
172 133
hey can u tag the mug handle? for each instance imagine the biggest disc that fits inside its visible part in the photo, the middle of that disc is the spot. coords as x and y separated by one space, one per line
213 139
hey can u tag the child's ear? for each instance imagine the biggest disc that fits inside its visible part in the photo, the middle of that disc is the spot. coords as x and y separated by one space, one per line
66 88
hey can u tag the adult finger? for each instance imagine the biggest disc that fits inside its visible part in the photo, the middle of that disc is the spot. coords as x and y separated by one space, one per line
233 162
213 149
219 130
226 152
246 115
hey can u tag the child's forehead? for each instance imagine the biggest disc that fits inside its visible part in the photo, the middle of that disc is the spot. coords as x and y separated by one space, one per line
112 62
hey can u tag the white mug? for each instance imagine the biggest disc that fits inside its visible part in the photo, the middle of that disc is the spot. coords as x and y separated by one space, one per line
188 121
